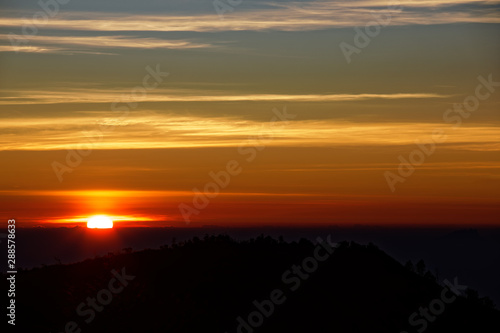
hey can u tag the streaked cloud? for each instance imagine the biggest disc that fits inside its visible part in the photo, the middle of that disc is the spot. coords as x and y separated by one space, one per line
148 130
178 95
285 16
30 49
66 44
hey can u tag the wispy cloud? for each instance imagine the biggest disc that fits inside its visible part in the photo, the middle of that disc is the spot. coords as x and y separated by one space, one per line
285 16
141 130
30 49
179 95
66 44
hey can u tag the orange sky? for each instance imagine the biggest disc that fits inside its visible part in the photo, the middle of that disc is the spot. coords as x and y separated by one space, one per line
128 112
282 186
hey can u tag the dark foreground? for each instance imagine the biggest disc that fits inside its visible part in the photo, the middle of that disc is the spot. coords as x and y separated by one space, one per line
217 284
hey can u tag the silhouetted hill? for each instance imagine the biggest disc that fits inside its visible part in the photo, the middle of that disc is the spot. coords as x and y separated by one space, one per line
211 285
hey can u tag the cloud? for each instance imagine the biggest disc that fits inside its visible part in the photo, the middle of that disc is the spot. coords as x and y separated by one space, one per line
179 95
280 16
73 44
30 49
284 16
141 130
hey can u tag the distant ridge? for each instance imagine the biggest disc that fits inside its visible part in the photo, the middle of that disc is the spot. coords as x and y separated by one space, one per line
205 285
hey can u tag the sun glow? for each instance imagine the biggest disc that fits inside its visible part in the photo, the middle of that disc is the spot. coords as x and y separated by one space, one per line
99 222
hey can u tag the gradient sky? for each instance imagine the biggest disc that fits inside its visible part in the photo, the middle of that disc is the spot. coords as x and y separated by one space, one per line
228 78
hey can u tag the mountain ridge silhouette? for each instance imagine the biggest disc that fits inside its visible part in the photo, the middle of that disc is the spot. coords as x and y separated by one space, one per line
208 284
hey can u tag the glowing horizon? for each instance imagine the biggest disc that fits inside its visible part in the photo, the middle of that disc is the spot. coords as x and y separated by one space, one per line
286 114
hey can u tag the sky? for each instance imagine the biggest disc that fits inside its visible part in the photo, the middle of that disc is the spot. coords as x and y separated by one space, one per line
247 113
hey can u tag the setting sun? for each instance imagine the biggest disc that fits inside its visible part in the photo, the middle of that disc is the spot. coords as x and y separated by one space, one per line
100 222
